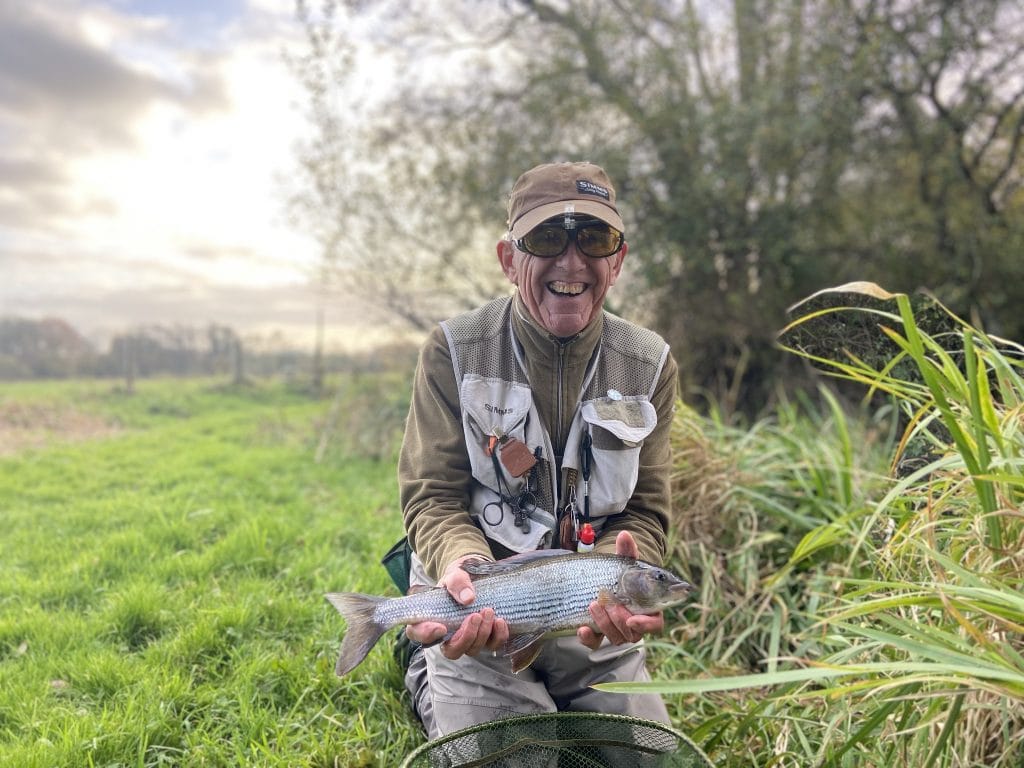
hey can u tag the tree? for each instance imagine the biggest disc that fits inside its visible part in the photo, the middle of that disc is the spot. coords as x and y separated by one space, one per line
947 98
364 201
760 153
47 348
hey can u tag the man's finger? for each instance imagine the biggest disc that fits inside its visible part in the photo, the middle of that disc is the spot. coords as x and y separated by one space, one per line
426 632
459 585
625 545
483 632
462 590
590 638
647 624
463 638
605 624
499 635
619 616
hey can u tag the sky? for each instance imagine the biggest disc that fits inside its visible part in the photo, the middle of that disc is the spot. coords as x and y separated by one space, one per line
145 147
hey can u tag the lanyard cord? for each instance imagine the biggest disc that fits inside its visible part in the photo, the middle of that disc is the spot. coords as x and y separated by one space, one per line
499 475
523 504
586 456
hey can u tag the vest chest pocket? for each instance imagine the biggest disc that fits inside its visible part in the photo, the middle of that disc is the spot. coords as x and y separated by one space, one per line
491 407
618 429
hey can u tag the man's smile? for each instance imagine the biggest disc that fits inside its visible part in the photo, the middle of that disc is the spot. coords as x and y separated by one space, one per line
566 289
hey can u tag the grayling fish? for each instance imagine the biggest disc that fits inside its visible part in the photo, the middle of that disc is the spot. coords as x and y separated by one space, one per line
536 593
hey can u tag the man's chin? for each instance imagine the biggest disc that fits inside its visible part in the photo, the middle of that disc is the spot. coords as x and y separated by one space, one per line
564 325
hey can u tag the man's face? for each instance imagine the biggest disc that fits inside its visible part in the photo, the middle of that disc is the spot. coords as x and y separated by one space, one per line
563 293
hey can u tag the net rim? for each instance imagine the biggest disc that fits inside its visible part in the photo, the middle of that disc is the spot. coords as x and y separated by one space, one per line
548 716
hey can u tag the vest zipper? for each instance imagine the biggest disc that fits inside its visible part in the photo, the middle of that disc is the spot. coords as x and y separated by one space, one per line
560 395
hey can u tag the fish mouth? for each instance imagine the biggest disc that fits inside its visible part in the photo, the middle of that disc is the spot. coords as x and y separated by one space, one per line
562 288
681 590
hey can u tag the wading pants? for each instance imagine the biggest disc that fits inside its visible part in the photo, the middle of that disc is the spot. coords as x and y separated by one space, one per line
451 695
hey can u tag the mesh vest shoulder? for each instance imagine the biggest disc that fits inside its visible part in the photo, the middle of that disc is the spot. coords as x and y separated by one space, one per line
481 343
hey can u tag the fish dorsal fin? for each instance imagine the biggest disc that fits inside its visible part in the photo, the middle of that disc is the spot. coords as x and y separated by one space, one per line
523 649
481 569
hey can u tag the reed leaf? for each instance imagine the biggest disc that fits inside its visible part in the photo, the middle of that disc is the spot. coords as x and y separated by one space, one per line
892 632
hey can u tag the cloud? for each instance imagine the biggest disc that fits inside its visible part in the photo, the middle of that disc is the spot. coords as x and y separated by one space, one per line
53 67
141 159
74 82
35 191
49 76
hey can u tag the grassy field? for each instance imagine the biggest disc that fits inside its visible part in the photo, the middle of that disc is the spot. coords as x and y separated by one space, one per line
861 573
162 572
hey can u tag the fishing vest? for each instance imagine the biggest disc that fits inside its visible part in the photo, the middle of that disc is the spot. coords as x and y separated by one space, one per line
613 410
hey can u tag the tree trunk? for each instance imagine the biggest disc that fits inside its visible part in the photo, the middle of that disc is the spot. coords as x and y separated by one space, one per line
318 352
128 363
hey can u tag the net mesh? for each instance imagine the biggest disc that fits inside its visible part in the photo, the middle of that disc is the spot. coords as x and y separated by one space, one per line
565 740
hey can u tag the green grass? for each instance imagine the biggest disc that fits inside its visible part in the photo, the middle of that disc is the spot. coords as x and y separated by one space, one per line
161 586
860 572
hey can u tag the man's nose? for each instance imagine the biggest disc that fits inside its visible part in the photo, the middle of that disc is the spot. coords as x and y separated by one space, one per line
571 256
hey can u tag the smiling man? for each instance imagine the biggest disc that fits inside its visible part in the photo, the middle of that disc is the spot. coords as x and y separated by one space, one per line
538 421
565 245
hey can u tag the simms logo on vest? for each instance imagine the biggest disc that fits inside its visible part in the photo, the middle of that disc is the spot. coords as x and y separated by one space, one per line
585 187
495 409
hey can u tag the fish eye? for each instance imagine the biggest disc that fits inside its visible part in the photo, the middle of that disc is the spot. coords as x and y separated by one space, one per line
661 576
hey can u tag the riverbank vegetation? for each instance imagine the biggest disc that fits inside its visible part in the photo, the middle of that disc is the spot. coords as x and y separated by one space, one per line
858 566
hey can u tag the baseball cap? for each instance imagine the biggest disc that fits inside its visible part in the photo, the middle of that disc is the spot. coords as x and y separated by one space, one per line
556 188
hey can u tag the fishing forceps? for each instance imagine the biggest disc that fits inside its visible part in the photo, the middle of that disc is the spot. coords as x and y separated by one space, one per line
522 504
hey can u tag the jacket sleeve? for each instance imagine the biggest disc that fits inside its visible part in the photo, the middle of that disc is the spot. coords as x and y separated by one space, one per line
648 513
434 473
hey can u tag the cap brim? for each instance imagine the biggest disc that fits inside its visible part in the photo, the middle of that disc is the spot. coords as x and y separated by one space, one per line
533 217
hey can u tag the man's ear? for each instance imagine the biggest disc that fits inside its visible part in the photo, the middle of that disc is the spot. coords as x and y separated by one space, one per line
506 258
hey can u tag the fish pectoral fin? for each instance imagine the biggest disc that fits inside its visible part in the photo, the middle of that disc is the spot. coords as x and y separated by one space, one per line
606 598
517 642
523 649
443 639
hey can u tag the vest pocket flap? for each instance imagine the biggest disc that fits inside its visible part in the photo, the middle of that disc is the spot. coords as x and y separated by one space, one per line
629 420
494 404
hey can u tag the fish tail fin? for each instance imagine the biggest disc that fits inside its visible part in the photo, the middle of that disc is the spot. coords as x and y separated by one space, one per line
363 630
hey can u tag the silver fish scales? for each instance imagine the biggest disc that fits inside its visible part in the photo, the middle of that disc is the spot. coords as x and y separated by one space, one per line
536 593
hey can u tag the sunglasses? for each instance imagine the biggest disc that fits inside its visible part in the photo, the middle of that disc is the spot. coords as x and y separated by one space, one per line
593 238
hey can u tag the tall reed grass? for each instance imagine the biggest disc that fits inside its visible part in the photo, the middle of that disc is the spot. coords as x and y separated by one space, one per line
855 612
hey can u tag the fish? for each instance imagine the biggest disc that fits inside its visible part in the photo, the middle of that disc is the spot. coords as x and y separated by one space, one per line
539 594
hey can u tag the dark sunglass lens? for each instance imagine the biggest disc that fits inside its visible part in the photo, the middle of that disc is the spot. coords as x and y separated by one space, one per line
546 241
598 240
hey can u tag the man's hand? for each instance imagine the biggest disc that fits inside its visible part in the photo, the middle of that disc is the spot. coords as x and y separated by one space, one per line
616 622
478 631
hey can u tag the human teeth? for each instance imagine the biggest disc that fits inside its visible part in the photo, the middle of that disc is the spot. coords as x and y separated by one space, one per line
568 289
